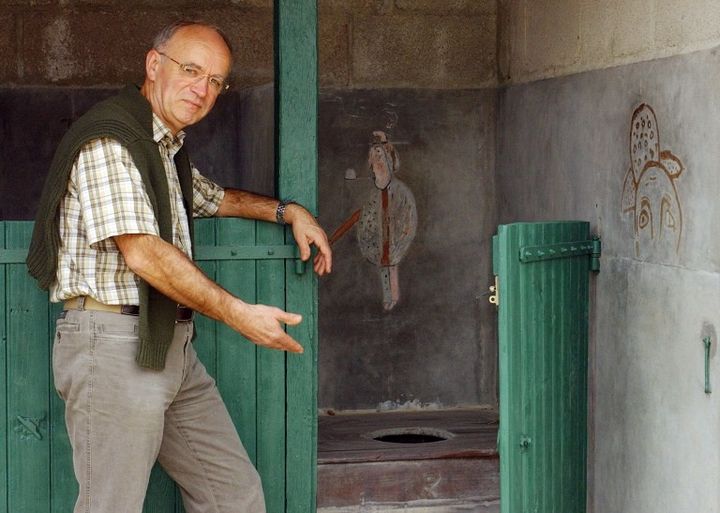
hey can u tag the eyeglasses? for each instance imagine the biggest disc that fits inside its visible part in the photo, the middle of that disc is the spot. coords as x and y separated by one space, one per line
195 73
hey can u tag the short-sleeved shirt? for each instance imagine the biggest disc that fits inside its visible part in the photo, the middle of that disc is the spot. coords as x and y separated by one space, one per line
106 197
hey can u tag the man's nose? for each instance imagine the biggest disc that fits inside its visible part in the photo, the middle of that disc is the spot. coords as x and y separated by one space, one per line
201 86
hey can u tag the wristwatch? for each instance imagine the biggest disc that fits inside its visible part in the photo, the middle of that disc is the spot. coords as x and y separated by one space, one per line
280 212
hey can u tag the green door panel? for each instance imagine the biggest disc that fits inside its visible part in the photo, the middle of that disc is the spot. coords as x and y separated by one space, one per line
543 282
296 92
253 381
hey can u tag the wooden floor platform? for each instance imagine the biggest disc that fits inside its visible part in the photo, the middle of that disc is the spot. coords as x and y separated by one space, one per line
357 471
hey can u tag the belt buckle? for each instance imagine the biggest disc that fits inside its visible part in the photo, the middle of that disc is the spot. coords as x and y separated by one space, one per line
184 314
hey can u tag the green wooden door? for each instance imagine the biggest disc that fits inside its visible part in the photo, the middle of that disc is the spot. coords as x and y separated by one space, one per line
258 385
543 274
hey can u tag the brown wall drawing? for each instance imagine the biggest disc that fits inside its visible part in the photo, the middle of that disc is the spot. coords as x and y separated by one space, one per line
387 220
650 197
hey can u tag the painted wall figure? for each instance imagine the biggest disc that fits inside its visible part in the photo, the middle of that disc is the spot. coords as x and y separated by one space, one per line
650 194
387 220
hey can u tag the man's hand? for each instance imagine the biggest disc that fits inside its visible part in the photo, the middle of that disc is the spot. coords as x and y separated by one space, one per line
261 325
307 231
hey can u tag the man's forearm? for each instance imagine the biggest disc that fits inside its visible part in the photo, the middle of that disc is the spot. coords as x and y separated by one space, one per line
171 272
238 203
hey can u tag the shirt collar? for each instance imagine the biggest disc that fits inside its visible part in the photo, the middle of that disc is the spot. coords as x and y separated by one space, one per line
162 135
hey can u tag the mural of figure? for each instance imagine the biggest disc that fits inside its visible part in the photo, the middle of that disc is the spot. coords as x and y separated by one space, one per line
387 220
650 194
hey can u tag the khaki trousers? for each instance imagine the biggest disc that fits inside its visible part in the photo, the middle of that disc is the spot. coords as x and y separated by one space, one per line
121 418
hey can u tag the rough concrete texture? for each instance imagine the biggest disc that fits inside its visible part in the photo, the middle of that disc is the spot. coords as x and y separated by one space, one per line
449 6
419 51
546 38
71 46
437 346
8 40
334 49
564 151
68 43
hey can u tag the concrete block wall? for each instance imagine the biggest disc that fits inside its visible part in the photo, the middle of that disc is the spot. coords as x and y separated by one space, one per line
404 43
545 38
362 43
100 43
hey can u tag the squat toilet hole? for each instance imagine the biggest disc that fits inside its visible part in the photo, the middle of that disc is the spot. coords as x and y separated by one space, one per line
411 435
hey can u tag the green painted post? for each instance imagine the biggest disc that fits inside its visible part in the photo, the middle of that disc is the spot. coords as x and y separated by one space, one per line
3 379
296 93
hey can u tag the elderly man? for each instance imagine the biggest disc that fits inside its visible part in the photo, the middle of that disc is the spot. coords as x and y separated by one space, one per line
113 241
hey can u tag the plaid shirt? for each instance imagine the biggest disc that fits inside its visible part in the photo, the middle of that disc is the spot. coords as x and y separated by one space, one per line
106 197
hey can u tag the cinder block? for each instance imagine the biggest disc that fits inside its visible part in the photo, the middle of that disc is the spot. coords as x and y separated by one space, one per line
251 34
634 31
8 48
679 24
24 3
355 6
596 30
76 47
424 51
549 43
448 6
333 50
176 4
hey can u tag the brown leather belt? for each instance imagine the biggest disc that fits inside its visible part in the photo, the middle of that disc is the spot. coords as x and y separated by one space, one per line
184 314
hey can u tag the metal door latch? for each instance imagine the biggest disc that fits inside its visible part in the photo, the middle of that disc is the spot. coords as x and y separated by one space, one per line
494 298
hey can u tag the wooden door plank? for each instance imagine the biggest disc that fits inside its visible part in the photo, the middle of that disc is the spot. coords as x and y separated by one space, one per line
296 126
236 360
161 494
205 341
28 378
271 398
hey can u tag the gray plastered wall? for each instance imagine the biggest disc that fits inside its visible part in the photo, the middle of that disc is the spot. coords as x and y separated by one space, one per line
563 152
436 348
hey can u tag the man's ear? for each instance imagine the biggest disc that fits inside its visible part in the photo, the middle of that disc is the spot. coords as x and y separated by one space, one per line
152 62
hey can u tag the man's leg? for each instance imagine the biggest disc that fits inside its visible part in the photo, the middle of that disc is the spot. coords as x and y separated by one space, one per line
114 409
202 452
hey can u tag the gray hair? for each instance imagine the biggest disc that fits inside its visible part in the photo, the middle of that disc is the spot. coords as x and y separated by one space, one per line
169 31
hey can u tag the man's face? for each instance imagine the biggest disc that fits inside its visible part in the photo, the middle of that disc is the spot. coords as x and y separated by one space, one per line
178 100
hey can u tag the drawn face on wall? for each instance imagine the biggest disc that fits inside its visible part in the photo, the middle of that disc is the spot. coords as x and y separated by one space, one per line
650 196
658 216
382 159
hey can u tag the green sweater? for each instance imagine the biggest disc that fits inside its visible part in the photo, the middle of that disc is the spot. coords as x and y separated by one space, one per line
127 118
